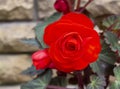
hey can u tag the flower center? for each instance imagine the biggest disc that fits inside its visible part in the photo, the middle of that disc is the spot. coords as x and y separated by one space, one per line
71 45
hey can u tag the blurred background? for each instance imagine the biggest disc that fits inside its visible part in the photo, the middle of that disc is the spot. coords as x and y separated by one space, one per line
17 20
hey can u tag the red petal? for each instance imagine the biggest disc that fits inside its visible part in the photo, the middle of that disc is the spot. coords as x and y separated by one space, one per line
55 30
66 64
79 18
91 49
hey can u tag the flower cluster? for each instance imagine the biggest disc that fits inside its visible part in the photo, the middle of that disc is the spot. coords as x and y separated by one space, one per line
73 44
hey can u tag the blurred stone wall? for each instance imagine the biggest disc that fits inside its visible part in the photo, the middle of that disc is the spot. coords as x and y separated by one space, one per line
17 19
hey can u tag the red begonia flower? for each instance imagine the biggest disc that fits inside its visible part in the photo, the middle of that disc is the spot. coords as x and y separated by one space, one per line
72 41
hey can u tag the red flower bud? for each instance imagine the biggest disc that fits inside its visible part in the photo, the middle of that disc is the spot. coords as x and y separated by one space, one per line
61 6
52 66
41 59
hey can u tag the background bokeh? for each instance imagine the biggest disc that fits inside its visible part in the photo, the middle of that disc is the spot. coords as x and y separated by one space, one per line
17 20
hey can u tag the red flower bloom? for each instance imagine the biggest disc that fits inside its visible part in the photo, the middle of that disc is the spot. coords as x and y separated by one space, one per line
73 44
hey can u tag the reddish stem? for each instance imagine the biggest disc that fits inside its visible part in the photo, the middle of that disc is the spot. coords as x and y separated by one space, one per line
60 73
83 8
78 4
80 79
87 73
118 60
70 4
110 28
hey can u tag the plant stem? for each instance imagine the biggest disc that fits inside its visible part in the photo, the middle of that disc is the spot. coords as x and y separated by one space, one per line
80 79
70 4
83 8
110 28
78 4
57 87
87 73
60 73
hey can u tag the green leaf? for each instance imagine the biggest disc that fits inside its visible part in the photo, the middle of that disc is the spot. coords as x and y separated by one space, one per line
116 83
107 22
106 54
97 82
101 67
31 71
105 61
117 72
59 81
112 39
39 29
40 82
31 41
